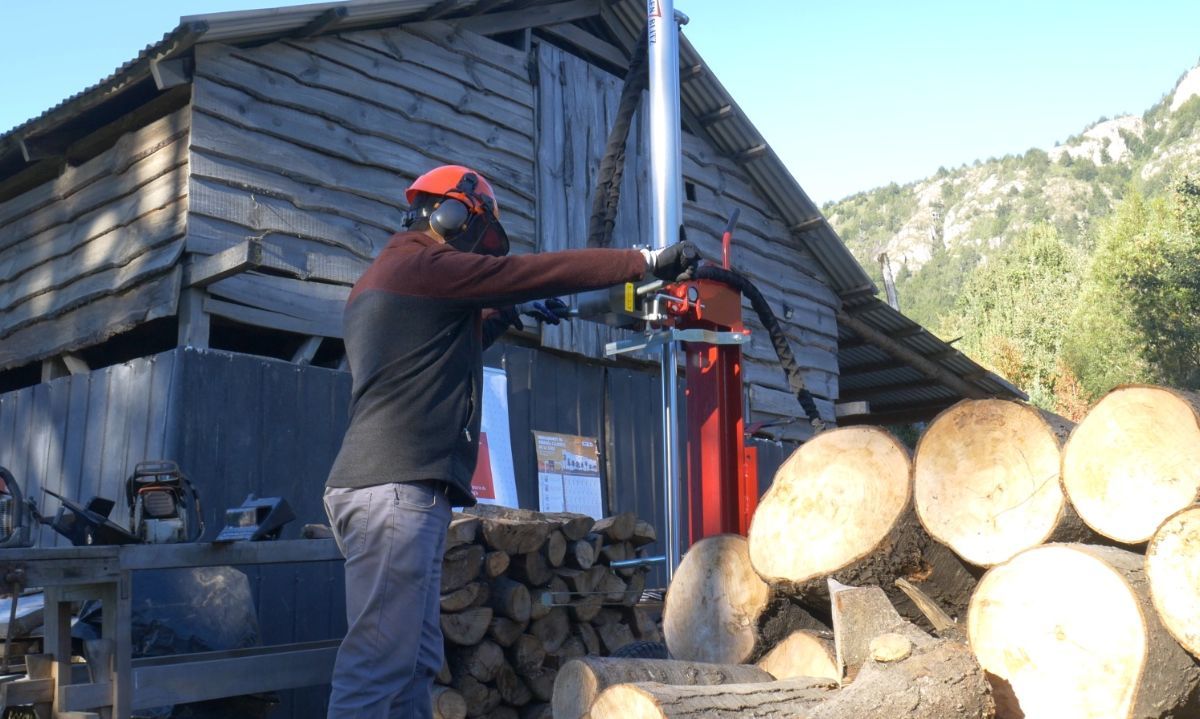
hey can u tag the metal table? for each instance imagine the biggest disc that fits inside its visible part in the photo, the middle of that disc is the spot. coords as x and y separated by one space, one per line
112 683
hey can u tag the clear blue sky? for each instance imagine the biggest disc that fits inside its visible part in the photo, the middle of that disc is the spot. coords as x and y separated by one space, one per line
852 95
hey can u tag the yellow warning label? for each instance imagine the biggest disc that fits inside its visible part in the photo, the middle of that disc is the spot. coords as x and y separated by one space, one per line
629 297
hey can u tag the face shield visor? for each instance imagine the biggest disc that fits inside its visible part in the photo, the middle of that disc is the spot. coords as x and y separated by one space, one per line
483 235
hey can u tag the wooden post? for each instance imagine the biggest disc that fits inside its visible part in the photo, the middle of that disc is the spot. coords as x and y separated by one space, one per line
193 320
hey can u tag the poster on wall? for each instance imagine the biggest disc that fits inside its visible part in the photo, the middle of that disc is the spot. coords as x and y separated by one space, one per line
568 474
494 481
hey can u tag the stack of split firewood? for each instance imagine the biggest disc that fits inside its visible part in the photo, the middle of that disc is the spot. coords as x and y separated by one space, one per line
1015 566
523 593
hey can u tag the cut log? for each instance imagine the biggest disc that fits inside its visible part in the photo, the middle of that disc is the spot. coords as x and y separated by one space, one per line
553 629
986 480
617 528
577 580
1134 460
613 632
837 507
495 564
613 588
581 681
591 640
466 628
643 533
860 614
512 689
462 530
510 599
463 597
516 531
571 648
531 568
634 588
804 653
538 710
460 566
643 623
940 679
555 549
448 704
1173 568
714 603
580 554
526 654
616 552
481 661
543 599
473 692
541 684
585 609
505 631
1068 631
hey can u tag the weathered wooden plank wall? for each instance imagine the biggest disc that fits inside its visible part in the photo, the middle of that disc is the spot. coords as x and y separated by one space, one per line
310 145
576 106
96 250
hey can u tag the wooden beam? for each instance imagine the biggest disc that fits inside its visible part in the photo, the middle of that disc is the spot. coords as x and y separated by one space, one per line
902 414
721 113
323 23
172 73
750 154
214 268
194 322
43 147
588 43
806 225
692 72
441 8
511 20
861 341
304 355
910 357
866 392
867 368
75 364
52 369
851 409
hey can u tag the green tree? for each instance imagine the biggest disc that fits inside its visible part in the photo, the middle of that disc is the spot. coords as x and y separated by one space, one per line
1014 309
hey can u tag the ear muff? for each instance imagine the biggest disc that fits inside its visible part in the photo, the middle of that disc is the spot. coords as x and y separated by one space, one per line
449 218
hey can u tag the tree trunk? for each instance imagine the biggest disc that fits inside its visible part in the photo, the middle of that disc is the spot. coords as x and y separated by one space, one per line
468 627
1068 630
804 653
986 480
448 704
1172 564
938 680
581 681
1134 460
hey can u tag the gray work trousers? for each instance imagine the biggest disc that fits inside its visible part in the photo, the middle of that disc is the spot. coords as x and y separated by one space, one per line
393 537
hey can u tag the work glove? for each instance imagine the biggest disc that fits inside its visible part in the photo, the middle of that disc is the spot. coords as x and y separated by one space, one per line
674 263
551 311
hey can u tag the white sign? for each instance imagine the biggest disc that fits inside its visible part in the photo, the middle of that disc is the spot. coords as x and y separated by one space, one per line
568 474
494 481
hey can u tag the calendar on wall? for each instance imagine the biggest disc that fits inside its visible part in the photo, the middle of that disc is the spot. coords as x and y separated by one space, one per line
568 474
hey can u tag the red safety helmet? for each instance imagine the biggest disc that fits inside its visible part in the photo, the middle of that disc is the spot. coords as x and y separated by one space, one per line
461 206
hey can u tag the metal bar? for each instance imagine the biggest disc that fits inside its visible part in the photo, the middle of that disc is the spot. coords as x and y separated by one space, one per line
666 181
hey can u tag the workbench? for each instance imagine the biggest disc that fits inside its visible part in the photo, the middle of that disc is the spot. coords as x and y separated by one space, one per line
113 683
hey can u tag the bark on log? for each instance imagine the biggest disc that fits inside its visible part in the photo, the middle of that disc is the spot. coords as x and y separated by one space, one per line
463 597
1173 568
938 680
448 704
460 566
510 599
468 627
580 682
840 507
986 480
803 653
643 533
462 530
1134 460
1069 631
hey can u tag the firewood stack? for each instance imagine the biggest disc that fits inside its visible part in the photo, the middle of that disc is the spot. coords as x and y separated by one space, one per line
523 593
1018 566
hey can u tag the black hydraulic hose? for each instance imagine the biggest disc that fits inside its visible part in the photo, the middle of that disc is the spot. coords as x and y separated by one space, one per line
779 340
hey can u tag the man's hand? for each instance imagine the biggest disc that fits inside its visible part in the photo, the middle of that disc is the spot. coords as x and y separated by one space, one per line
674 263
551 311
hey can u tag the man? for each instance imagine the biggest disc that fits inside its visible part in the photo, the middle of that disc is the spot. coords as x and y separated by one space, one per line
416 325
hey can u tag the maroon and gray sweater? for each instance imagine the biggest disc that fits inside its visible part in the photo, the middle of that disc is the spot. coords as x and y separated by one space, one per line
415 331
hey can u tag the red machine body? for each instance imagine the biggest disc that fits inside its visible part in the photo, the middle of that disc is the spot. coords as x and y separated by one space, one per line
722 473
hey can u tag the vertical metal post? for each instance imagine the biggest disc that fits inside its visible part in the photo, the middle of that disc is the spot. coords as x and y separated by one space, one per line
666 181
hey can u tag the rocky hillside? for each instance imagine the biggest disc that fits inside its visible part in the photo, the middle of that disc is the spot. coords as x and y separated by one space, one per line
936 230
